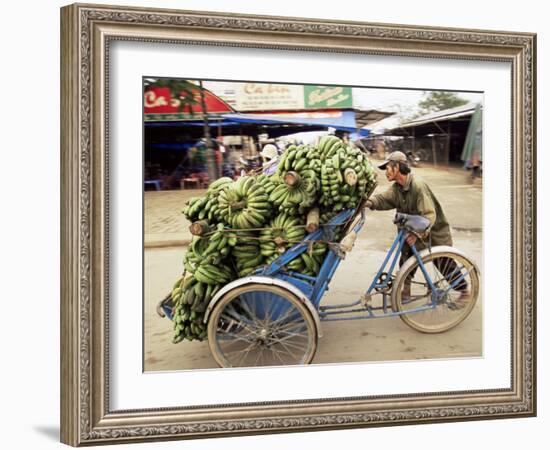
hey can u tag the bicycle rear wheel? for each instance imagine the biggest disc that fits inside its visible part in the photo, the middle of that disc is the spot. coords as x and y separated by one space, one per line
456 282
261 325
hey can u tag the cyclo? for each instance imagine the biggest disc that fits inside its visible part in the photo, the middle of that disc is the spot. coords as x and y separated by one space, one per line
273 316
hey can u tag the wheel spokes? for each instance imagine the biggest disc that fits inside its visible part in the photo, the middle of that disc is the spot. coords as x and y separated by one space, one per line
260 327
452 279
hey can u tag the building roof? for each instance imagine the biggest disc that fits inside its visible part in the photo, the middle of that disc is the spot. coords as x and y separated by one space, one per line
440 116
367 117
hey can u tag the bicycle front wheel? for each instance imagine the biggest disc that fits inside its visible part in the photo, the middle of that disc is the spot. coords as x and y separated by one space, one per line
261 325
445 304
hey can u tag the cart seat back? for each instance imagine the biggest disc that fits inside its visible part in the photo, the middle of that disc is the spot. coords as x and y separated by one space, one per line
411 222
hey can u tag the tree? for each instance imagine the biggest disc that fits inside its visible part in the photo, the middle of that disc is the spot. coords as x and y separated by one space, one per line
434 101
182 90
403 113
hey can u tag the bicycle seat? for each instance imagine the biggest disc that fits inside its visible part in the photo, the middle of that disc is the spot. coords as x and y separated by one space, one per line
418 224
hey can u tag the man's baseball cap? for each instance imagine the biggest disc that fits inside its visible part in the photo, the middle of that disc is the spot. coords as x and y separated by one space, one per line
393 156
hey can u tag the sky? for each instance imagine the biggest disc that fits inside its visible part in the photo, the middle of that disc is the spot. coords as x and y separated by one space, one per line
387 99
402 101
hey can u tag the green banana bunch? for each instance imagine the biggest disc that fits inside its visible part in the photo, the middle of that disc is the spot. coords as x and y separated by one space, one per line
268 182
208 270
190 299
218 185
299 193
244 204
193 208
283 232
346 175
212 207
246 253
299 197
313 258
297 158
328 146
206 208
194 254
207 256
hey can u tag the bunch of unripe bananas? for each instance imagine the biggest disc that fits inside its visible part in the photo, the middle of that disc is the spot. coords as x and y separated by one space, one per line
250 222
285 231
244 204
207 207
246 253
190 298
282 233
298 176
346 175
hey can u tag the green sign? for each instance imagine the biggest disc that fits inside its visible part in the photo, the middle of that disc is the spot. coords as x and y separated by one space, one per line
327 97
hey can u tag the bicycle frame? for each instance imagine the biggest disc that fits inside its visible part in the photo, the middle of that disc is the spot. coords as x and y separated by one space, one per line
382 285
314 287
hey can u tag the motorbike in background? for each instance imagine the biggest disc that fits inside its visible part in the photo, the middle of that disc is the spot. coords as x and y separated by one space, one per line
412 158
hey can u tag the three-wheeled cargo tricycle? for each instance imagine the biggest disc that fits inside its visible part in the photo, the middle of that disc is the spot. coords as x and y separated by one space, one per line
273 317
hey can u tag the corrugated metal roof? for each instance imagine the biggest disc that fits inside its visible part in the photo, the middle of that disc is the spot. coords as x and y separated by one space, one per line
440 116
367 117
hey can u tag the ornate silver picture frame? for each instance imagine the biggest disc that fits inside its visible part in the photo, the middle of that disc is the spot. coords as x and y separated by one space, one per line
87 413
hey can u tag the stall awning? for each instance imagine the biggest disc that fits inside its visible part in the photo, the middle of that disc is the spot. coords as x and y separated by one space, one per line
159 106
193 123
340 120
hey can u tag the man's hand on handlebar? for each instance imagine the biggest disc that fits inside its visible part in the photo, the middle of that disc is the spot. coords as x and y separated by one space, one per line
411 239
368 204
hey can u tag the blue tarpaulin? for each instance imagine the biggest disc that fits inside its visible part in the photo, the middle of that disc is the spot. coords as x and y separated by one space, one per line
340 120
192 123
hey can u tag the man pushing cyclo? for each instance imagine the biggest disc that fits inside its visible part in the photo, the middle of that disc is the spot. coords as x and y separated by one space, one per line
412 197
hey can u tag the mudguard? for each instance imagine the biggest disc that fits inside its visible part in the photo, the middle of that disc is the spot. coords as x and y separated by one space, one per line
268 281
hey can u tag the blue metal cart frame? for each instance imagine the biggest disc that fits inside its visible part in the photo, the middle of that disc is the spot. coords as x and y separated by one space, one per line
315 287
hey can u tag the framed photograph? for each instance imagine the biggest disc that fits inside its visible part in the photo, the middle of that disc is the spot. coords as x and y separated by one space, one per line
287 224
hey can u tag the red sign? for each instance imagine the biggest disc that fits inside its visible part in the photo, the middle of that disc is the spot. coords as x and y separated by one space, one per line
160 101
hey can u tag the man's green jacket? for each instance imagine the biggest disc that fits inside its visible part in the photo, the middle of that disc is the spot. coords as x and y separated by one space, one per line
416 197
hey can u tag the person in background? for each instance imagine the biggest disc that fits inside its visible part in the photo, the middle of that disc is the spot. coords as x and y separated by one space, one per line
270 156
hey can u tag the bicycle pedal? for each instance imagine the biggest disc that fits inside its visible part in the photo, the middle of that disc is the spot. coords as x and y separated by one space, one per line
366 300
